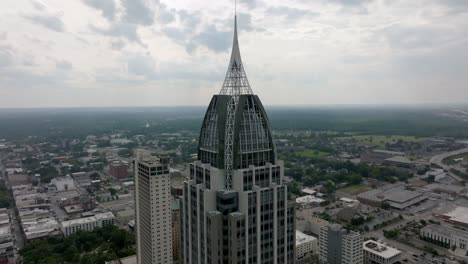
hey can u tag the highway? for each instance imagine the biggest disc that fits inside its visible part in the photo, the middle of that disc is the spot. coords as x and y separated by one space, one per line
438 161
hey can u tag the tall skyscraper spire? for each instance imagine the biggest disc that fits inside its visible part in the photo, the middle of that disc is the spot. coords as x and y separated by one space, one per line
236 82
235 207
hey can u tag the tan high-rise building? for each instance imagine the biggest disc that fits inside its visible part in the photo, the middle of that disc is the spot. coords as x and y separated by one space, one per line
176 235
153 210
340 246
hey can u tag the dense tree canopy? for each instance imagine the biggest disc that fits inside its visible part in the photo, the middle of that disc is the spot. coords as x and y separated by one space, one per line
95 247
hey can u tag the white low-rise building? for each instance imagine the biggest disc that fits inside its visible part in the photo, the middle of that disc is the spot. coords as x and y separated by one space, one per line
40 228
308 201
63 183
305 245
87 224
378 253
445 236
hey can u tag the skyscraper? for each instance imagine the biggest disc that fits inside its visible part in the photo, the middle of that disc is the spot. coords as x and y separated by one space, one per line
340 246
234 206
153 210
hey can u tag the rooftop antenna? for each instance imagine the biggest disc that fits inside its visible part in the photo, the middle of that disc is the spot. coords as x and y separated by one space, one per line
235 7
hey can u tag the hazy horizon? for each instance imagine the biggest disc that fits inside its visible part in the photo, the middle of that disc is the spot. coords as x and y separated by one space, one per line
312 106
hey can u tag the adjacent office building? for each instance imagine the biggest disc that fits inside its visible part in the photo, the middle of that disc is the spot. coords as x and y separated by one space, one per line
153 209
340 246
87 223
378 253
176 242
305 245
118 170
234 206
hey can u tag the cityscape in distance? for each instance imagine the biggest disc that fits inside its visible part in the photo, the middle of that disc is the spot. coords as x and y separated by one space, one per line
337 133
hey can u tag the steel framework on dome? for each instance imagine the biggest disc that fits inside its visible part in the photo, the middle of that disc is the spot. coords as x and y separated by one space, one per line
235 84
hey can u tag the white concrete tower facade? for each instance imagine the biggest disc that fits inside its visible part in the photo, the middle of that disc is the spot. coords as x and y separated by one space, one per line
153 210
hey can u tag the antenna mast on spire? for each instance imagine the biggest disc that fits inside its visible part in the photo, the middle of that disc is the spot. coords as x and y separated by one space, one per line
235 7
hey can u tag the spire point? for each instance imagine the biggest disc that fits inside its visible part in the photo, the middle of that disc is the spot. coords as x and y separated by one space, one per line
235 81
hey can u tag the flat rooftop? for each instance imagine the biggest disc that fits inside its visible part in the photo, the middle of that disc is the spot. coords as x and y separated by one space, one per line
89 219
380 249
395 194
388 152
459 214
401 195
127 260
302 238
400 159
445 231
308 199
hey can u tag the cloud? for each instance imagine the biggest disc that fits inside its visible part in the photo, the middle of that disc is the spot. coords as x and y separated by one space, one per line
352 6
120 29
392 54
107 7
139 12
52 22
117 44
64 65
213 39
289 13
189 20
350 2
6 56
165 16
244 22
249 3
38 5
417 37
141 65
175 33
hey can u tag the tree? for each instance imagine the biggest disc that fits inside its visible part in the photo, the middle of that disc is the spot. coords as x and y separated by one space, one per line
95 176
391 233
356 221
329 186
112 191
385 206
294 188
95 247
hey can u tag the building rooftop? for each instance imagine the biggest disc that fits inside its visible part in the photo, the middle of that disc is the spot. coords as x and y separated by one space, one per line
302 238
446 188
380 249
444 230
126 260
126 213
399 159
348 200
400 195
459 214
388 152
89 219
308 199
396 195
60 179
309 191
5 231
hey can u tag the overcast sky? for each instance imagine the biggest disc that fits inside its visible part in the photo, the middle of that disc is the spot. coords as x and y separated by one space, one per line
175 52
